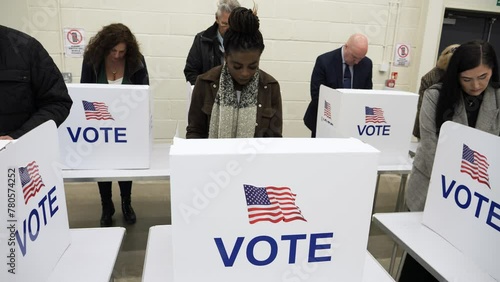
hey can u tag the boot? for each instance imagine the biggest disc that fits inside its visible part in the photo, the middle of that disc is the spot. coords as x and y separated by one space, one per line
128 211
108 210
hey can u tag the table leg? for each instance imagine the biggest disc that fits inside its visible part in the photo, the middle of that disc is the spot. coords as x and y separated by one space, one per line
400 265
400 202
376 192
393 258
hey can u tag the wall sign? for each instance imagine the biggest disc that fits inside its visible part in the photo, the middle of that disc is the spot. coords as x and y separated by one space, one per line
402 55
74 42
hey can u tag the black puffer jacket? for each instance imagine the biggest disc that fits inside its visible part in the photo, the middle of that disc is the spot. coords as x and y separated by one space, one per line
32 89
204 54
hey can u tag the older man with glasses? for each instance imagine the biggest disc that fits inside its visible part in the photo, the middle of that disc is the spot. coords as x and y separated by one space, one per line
207 50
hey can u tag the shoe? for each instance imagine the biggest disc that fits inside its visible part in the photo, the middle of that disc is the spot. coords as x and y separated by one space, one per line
128 211
108 210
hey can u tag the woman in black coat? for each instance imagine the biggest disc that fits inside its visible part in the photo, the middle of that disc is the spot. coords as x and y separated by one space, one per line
113 57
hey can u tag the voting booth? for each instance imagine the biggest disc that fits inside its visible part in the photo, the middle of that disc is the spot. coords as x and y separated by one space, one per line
35 231
264 209
463 201
109 127
381 118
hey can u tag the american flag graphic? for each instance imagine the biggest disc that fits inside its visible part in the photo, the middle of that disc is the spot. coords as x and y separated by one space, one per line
328 110
475 165
96 110
31 180
272 204
374 115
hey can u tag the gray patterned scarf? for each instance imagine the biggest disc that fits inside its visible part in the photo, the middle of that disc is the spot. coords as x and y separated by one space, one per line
230 118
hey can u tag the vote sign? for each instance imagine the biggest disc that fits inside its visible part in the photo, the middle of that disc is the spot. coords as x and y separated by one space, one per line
381 118
109 127
264 209
35 231
463 201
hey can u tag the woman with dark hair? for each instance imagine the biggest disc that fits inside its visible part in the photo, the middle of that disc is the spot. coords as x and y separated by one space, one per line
469 94
113 57
237 99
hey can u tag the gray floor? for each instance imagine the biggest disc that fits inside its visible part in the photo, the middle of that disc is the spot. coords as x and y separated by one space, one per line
151 201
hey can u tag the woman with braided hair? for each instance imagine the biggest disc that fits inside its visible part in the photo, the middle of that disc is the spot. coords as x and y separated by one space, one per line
237 99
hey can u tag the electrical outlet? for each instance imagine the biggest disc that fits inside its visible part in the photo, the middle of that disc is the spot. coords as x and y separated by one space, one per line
384 67
67 76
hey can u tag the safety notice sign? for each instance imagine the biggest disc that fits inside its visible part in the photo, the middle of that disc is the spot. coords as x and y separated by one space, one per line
402 55
74 42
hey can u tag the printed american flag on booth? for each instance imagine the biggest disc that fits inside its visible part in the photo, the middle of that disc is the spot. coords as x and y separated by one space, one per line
31 180
274 204
328 110
475 165
374 115
96 110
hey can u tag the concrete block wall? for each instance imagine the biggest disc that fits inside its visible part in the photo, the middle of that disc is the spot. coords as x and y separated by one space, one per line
295 33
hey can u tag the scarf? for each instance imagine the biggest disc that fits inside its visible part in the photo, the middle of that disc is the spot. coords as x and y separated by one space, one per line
230 118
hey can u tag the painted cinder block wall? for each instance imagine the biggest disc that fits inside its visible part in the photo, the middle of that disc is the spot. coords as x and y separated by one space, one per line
295 33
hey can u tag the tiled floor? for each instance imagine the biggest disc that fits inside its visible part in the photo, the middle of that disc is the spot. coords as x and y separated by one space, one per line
151 201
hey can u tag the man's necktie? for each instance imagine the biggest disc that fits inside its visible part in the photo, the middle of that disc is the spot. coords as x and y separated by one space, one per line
347 76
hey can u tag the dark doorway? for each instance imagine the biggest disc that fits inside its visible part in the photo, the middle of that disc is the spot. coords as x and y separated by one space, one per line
462 25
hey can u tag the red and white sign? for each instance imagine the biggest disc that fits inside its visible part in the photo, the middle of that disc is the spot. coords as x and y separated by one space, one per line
74 42
402 55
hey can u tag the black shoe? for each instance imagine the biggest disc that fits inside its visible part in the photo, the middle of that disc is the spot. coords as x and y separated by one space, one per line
107 215
128 212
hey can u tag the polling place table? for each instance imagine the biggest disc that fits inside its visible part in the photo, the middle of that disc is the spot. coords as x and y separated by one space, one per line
158 261
158 170
91 256
403 169
432 251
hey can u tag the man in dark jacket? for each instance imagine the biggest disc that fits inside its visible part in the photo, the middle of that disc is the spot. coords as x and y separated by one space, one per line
207 50
32 88
345 67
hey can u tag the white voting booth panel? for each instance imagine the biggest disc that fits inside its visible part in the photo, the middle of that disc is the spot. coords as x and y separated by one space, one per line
109 127
259 209
381 118
463 201
34 229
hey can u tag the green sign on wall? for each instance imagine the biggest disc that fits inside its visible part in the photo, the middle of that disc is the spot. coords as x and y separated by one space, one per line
498 2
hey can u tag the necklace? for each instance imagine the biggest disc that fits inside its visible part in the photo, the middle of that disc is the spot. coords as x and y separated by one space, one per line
113 67
470 102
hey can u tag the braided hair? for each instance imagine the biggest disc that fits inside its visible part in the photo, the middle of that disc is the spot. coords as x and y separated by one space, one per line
243 33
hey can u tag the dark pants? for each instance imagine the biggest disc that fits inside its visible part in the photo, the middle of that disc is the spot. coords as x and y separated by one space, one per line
105 190
414 272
